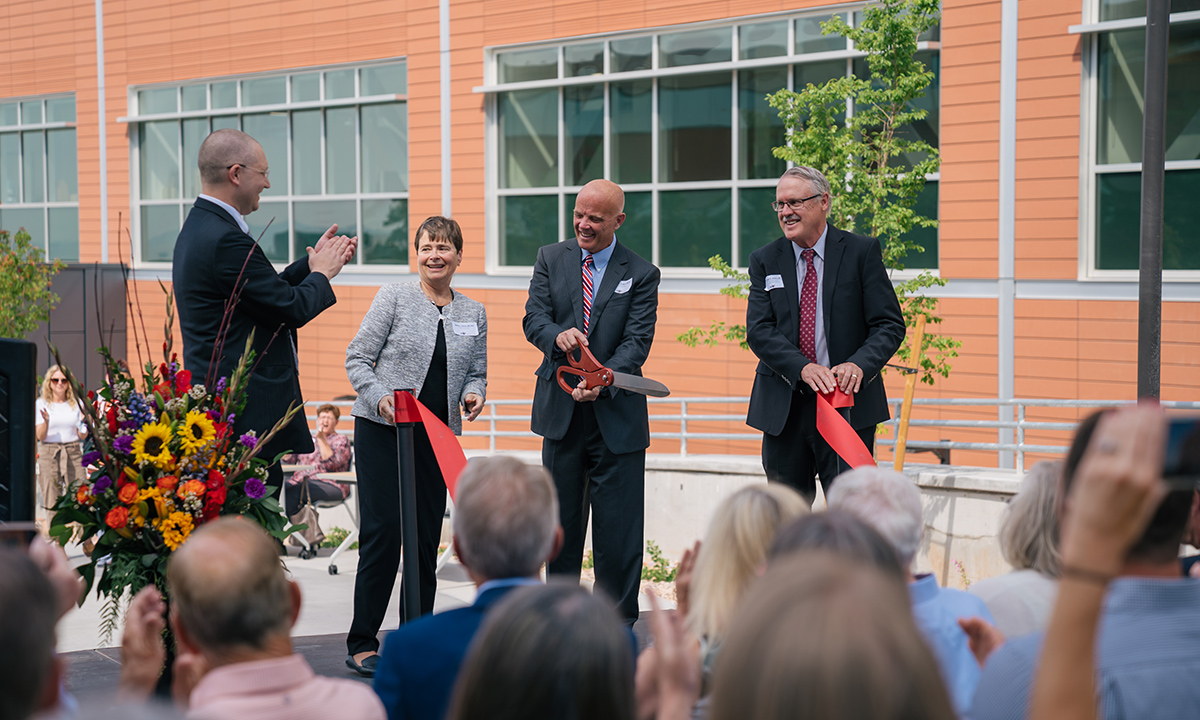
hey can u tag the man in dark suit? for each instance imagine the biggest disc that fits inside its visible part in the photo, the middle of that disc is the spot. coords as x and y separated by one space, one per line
822 314
593 291
505 528
214 256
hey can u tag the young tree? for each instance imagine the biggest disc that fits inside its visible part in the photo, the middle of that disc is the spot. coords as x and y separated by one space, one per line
870 155
25 296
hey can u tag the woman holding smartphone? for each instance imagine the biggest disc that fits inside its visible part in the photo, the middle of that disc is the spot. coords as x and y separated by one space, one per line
58 427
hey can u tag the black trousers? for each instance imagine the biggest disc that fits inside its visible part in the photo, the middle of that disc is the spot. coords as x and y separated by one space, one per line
587 475
379 529
798 452
318 491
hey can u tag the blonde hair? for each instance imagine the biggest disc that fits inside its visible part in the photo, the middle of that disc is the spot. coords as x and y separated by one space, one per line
47 393
738 538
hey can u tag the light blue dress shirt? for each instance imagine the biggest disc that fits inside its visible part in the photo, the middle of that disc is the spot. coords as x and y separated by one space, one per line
937 611
822 357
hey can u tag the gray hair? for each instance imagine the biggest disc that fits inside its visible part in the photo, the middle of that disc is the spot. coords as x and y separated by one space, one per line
888 501
505 518
27 617
1029 530
814 177
221 149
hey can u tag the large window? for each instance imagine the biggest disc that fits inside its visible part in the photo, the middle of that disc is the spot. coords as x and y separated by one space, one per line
680 120
336 141
39 178
1116 150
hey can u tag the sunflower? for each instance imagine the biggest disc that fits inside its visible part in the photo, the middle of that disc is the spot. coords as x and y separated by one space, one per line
197 432
150 445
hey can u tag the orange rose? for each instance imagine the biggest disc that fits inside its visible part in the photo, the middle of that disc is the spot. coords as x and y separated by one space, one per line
168 482
82 496
117 518
191 487
128 493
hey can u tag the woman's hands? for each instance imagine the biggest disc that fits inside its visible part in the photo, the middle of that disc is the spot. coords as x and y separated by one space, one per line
387 408
472 406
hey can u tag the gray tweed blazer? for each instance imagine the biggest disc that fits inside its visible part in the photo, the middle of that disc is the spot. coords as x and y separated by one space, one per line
394 346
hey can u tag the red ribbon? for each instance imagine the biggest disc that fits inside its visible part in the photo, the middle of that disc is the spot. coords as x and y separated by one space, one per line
449 453
837 432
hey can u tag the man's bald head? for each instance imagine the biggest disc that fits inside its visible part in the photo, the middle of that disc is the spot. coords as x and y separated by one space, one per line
607 192
599 211
222 149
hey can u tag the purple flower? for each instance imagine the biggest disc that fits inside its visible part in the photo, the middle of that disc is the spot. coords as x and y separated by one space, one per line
213 415
90 458
254 487
248 440
220 386
102 483
231 418
123 444
129 424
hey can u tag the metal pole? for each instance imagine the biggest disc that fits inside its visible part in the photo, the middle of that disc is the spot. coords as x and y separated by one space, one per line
410 583
1154 125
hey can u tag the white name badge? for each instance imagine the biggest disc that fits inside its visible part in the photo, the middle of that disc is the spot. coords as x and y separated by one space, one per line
774 281
465 328
623 286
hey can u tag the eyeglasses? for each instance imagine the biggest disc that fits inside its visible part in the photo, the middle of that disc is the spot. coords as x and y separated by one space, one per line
58 380
779 205
265 173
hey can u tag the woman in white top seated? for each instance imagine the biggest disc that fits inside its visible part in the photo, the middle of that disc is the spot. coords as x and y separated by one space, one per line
59 425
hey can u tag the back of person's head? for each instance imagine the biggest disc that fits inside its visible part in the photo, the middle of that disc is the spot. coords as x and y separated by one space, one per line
888 501
822 637
839 533
735 547
228 588
222 149
552 651
1159 544
505 517
28 614
1029 530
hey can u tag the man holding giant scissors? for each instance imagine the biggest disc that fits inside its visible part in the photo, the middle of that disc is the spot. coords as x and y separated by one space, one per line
593 292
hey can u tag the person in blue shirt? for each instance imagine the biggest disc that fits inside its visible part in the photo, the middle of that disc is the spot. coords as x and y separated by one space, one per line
505 528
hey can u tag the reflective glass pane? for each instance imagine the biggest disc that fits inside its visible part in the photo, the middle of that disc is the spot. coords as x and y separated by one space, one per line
272 217
524 65
810 38
631 125
63 178
760 128
195 97
160 227
1120 9
160 100
10 168
762 40
64 234
758 224
339 84
194 132
384 234
390 79
581 60
630 55
224 94
264 91
583 115
306 152
1118 212
694 117
526 223
159 151
32 219
635 232
695 47
385 148
8 114
314 218
528 128
34 166
927 238
693 225
61 109
222 122
306 87
31 112
340 166
270 129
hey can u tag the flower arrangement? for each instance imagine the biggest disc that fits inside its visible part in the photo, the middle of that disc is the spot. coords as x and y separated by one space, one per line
163 460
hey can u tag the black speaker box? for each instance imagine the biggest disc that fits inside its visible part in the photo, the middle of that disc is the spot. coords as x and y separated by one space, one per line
18 445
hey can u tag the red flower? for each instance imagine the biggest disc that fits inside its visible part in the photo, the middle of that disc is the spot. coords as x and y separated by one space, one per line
164 390
183 381
222 430
215 479
128 493
117 518
111 416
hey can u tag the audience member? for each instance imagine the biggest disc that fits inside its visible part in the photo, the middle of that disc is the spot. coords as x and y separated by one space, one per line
839 533
331 453
820 637
232 611
505 528
1022 599
554 651
1145 651
29 670
891 503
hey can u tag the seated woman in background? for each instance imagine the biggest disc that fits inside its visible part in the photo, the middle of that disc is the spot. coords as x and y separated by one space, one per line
1021 600
331 453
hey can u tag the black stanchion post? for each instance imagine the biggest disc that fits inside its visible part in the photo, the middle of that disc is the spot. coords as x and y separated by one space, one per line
410 583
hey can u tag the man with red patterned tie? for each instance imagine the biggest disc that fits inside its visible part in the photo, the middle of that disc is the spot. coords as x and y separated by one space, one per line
822 314
593 291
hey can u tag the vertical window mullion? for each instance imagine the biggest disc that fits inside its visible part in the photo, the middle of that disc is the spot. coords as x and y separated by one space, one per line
734 150
655 235
562 145
358 165
608 173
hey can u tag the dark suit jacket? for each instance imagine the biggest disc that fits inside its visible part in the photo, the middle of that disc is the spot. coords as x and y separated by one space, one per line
620 333
420 661
209 256
863 325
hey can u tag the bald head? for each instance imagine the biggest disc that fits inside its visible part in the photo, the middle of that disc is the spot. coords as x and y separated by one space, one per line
599 211
606 192
222 149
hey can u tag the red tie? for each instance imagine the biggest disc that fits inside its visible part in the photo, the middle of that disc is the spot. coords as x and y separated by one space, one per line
587 292
808 307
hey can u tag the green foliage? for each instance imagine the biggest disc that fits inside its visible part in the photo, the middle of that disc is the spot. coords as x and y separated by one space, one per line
659 568
334 537
589 562
25 296
719 330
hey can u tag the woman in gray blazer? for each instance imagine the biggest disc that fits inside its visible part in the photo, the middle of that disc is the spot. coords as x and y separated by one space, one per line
425 336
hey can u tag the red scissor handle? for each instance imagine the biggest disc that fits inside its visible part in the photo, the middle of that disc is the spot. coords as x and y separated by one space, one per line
586 368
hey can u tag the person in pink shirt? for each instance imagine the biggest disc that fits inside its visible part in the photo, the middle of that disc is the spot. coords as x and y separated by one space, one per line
331 453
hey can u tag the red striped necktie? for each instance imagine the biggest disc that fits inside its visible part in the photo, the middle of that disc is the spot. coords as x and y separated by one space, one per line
587 292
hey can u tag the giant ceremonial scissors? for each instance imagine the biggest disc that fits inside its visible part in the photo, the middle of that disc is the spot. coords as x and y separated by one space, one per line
596 375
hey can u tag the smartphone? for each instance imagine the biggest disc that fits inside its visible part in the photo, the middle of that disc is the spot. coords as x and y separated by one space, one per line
17 535
1181 466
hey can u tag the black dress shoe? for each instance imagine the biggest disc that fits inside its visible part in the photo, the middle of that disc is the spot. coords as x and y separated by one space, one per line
366 668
